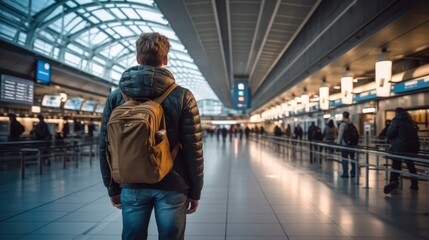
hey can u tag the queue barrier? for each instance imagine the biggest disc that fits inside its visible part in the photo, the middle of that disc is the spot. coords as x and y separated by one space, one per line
367 157
35 152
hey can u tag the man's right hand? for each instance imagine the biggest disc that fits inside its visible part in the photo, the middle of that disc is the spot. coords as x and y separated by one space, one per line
116 201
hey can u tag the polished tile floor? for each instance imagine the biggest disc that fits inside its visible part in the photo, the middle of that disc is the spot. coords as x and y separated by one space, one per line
250 193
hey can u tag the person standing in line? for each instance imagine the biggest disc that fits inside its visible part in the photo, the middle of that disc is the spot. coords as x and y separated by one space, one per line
403 136
41 130
77 127
298 132
16 128
247 132
224 132
310 137
277 133
288 131
91 128
178 193
66 127
345 154
330 133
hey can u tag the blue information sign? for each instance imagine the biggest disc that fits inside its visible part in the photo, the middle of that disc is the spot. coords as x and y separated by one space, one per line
412 85
241 95
43 72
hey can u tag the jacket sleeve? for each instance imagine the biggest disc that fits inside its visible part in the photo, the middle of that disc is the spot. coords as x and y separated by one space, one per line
192 145
113 188
393 129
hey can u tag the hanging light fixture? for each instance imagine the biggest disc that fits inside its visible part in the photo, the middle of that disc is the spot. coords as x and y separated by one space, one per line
347 87
383 74
305 100
324 96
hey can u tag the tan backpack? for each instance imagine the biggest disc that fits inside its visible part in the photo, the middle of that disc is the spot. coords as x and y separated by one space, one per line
138 150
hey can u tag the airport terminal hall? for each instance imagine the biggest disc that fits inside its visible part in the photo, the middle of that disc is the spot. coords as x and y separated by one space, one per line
214 119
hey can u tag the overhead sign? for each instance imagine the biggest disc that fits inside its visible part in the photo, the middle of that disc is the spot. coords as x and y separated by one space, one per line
412 85
241 95
43 72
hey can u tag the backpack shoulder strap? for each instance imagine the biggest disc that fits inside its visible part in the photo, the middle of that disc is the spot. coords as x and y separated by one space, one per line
161 98
126 98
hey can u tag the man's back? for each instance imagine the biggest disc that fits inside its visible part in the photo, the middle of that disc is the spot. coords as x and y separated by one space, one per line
403 134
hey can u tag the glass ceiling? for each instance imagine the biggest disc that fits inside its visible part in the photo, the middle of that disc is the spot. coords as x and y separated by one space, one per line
97 36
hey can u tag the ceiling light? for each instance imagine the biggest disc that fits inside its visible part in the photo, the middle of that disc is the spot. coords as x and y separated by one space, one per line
347 87
324 96
383 74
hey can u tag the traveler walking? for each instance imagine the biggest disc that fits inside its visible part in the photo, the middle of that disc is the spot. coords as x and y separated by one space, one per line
403 136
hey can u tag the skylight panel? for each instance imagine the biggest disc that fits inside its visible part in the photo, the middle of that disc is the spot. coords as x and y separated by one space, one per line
22 38
99 60
131 13
147 2
118 13
43 46
70 4
135 29
103 14
145 29
98 38
152 16
123 31
82 2
47 36
118 68
177 46
97 69
75 48
184 57
18 5
80 26
114 75
70 25
93 19
37 5
190 65
116 49
7 31
72 59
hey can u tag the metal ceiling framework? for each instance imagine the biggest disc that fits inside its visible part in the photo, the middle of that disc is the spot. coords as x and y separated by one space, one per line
97 37
285 46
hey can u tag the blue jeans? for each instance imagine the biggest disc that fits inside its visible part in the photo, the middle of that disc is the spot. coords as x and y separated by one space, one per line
170 213
345 154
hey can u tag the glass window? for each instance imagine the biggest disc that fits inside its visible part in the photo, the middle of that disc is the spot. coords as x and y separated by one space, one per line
103 15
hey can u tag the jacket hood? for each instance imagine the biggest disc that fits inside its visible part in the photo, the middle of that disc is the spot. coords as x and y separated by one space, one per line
145 81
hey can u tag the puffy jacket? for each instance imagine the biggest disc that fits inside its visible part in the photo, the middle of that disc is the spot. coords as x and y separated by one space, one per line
402 134
183 126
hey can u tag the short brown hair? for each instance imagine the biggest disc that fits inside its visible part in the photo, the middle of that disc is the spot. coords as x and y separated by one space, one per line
152 48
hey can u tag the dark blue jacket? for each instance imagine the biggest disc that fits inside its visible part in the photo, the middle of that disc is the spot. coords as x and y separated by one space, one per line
183 126
402 134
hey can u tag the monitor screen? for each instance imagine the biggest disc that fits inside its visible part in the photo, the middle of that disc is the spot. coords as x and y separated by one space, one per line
88 106
99 108
16 90
73 103
43 72
51 101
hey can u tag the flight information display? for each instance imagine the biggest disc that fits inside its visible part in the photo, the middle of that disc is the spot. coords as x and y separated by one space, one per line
16 90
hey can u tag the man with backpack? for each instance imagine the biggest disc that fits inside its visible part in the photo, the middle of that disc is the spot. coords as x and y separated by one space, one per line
348 135
178 192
